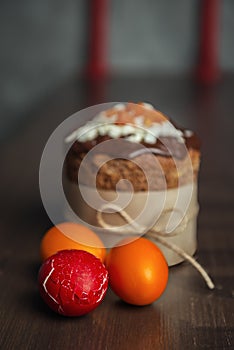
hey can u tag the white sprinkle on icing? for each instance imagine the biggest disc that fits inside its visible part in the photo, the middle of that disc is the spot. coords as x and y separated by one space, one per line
119 107
127 129
114 131
148 105
149 138
134 138
71 137
188 133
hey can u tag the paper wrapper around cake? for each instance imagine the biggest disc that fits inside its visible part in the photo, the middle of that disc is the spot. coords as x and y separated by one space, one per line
188 188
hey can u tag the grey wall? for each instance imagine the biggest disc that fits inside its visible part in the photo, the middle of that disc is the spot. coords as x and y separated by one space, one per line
227 36
162 35
44 42
154 35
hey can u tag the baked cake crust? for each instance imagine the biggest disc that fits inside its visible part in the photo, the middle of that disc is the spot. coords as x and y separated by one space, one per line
178 163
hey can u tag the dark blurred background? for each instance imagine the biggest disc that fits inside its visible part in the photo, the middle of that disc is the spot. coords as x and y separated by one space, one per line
45 43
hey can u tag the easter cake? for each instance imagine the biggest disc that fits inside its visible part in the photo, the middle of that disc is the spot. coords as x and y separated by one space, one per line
138 152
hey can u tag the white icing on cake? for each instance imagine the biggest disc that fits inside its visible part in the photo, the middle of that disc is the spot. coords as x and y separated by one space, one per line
103 125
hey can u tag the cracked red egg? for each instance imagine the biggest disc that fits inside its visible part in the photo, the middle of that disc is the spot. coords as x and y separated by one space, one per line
73 282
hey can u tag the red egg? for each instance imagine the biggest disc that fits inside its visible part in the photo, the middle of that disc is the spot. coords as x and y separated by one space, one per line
73 282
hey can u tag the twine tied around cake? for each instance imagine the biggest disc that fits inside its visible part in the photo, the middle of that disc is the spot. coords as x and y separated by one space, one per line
156 234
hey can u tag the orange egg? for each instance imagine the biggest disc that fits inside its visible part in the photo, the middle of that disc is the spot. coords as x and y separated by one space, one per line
138 271
76 237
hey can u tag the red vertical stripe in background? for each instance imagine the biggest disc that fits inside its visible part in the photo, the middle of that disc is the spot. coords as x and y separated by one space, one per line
98 39
208 66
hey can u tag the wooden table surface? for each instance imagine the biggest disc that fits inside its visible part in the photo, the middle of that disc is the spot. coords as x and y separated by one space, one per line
188 315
